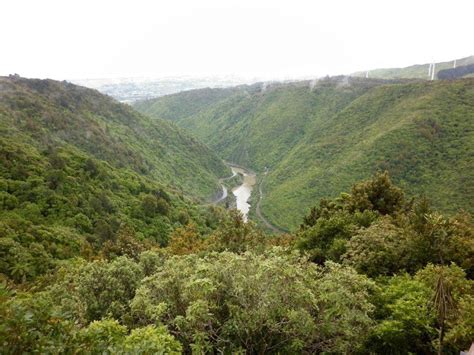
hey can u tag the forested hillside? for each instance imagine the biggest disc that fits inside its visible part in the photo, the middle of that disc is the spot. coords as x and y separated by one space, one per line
101 254
418 71
183 104
55 113
317 138
81 173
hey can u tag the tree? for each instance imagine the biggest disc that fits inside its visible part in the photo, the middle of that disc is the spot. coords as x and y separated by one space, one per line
103 230
149 205
378 194
460 331
150 340
100 337
381 249
258 303
405 322
233 234
186 240
28 324
443 240
449 289
91 167
444 305
99 289
162 206
126 244
327 238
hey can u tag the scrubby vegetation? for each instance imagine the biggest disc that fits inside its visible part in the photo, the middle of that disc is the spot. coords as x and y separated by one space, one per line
367 272
99 256
75 179
318 138
50 115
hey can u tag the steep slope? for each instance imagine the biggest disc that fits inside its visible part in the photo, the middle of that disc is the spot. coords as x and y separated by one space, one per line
81 174
422 133
183 104
96 124
318 138
257 125
418 71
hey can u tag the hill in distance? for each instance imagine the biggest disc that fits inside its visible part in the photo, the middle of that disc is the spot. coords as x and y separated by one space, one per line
319 137
418 71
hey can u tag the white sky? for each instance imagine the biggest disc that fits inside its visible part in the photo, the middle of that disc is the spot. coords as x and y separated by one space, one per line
72 39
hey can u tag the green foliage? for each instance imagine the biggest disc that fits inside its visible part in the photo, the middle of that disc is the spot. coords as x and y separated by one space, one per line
319 138
100 289
461 329
408 320
28 324
72 172
326 239
388 236
235 235
126 244
381 249
407 323
32 325
99 337
260 303
229 291
377 194
150 340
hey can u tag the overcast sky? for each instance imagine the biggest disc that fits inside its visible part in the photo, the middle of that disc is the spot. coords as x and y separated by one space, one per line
72 39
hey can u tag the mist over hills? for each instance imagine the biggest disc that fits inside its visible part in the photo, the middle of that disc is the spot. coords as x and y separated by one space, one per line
418 71
130 90
319 137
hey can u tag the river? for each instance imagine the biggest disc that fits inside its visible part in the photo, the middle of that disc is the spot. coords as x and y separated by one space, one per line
242 192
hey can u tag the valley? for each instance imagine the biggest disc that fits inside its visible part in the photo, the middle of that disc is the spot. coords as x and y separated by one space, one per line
112 222
242 192
317 138
236 177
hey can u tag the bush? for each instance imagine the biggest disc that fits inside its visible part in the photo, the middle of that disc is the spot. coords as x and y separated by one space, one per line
226 302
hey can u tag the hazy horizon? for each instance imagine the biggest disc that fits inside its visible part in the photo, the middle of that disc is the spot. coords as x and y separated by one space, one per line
264 39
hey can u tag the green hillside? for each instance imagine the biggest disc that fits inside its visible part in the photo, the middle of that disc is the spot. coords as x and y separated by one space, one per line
319 138
62 113
183 104
239 125
100 256
423 134
81 173
418 71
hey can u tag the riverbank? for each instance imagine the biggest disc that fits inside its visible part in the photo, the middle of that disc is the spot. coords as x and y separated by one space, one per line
258 212
243 192
243 183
